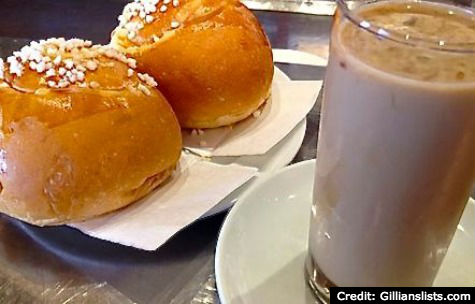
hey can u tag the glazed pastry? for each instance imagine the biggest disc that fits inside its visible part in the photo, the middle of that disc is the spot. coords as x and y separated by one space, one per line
211 57
82 133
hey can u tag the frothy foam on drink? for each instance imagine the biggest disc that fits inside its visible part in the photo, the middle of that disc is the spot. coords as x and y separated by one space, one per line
436 24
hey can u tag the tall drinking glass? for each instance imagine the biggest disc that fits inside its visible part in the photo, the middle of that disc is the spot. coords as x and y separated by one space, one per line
396 150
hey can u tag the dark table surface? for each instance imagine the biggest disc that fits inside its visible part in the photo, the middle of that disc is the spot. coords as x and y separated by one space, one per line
59 265
52 265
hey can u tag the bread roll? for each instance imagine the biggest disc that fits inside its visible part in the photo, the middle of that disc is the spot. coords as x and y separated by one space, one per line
81 133
211 58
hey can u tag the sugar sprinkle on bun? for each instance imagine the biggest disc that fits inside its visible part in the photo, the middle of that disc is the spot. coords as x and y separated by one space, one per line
211 57
81 132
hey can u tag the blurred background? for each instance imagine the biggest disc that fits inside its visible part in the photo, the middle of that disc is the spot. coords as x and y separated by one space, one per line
316 7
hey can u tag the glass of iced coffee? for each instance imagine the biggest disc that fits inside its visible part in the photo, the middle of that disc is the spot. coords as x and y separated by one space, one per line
396 149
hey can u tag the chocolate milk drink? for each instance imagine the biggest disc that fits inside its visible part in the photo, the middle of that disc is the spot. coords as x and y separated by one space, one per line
396 150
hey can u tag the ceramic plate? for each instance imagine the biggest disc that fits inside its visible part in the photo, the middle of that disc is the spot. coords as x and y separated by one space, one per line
63 240
262 245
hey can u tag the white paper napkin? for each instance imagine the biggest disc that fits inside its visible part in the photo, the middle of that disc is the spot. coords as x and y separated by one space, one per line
297 57
196 187
288 105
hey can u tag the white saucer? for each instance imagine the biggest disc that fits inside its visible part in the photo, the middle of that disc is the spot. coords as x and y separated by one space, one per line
262 245
278 157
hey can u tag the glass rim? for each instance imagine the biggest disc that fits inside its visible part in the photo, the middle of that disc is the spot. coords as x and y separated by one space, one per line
462 47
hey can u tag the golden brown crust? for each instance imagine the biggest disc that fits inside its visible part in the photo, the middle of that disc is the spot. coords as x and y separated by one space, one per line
215 68
68 154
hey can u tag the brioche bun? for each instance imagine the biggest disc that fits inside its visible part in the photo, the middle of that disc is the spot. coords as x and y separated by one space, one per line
81 133
211 58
